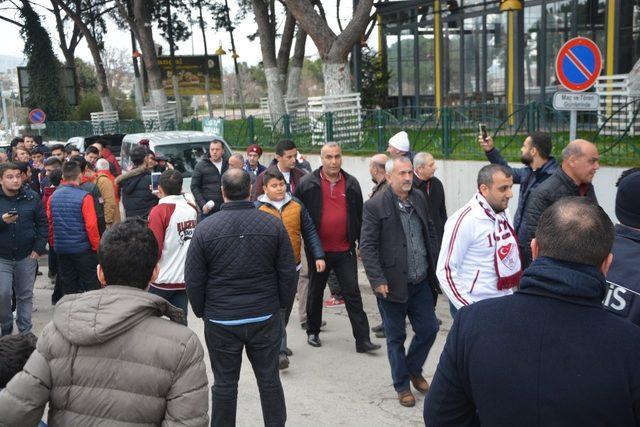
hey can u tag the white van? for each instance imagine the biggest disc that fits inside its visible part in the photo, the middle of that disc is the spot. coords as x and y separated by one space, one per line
183 149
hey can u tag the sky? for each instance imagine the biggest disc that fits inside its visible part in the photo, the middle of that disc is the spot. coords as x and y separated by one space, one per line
117 38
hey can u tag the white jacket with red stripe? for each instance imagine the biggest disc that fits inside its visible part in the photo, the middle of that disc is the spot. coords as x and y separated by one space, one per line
466 269
172 221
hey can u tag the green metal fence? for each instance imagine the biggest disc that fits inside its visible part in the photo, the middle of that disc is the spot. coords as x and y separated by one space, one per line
448 132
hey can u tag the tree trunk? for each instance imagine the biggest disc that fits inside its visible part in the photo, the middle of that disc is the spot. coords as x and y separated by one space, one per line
295 68
275 94
337 80
293 82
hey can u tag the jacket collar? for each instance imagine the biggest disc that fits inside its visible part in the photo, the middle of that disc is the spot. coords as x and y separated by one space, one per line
140 170
550 165
265 200
478 210
628 232
572 282
348 179
173 199
22 193
237 205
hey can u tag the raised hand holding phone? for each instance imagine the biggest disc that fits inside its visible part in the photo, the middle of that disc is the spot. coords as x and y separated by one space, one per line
485 141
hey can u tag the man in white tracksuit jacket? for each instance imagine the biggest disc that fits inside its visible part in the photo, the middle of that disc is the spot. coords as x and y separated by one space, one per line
479 258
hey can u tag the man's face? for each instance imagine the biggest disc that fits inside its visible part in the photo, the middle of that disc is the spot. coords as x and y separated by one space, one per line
331 158
526 151
151 161
394 152
74 153
584 167
215 152
401 179
253 159
11 180
59 153
50 168
22 156
29 143
91 158
288 160
99 147
427 170
275 189
499 193
37 158
26 177
235 163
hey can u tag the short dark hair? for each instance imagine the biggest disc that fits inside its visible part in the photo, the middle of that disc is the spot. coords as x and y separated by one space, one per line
171 182
485 176
236 184
23 167
128 253
575 229
92 149
284 145
217 141
71 148
81 161
53 161
103 142
55 177
272 173
71 170
9 166
15 141
38 150
29 136
138 154
542 142
57 147
14 353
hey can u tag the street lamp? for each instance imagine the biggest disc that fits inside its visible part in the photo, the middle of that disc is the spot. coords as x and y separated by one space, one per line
509 5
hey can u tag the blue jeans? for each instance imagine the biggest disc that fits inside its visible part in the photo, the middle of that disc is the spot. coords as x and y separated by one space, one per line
21 275
420 308
262 343
177 298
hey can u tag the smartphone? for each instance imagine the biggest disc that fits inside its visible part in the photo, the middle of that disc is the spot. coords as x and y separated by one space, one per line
13 212
155 179
483 130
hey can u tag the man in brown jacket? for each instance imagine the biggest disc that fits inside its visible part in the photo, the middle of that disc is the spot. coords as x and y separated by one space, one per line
107 186
108 357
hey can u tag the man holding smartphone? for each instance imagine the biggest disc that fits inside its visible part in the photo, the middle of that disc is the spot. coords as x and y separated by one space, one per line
23 238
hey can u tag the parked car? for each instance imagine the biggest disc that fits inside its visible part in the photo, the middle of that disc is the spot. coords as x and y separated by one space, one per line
82 142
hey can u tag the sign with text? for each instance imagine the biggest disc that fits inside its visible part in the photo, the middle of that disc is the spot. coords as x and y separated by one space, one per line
191 72
567 101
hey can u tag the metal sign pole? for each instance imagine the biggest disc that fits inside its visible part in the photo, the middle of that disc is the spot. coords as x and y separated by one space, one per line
573 124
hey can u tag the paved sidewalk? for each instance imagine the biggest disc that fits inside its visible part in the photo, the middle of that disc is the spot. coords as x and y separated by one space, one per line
330 385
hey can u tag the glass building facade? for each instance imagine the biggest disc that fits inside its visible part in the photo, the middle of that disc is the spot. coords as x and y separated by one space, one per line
457 52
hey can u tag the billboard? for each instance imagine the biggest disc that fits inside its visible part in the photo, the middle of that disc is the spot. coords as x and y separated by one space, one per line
68 83
191 71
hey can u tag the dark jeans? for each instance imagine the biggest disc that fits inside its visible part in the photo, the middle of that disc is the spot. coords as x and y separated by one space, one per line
452 310
177 298
262 342
77 272
345 266
286 313
420 308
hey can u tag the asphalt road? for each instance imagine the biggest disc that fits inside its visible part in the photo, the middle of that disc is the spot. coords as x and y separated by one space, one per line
331 385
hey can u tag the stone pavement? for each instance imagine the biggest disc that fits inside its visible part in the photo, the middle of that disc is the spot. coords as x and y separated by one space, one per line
330 385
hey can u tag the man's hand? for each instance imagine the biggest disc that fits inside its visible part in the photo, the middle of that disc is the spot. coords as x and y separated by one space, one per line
9 219
383 290
320 265
486 144
34 255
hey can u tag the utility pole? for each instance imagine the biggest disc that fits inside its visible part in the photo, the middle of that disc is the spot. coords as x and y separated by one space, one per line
234 55
206 61
172 54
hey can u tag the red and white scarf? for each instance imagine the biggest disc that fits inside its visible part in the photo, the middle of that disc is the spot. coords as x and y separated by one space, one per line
506 257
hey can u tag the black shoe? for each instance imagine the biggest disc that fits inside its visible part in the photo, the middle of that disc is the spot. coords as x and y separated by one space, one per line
303 325
314 341
366 347
283 361
288 351
380 334
378 328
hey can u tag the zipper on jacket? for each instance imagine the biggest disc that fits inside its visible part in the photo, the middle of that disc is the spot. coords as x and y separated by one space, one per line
474 282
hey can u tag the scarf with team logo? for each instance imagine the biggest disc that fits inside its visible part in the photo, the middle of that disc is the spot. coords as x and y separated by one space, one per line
506 257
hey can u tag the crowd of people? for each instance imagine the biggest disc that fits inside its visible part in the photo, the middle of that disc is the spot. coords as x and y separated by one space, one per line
543 302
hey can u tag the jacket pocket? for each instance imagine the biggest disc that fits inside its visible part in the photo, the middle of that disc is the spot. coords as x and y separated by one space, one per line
474 282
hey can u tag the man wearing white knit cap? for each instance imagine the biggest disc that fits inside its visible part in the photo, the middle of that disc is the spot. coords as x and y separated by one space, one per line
399 146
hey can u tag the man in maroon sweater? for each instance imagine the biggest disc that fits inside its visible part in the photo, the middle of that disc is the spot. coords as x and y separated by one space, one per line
334 201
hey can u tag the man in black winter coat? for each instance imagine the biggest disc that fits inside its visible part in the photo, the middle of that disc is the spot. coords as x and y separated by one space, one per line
580 161
207 178
424 168
548 354
135 185
240 272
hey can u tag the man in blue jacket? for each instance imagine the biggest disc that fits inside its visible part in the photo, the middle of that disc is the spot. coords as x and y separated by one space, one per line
539 165
549 354
623 293
23 238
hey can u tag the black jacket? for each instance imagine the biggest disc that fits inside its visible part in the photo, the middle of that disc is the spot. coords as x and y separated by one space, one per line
240 264
295 177
623 278
309 192
529 180
383 245
30 232
135 191
549 355
434 193
206 183
554 188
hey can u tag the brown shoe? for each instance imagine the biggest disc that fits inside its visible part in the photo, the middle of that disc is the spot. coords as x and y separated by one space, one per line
420 383
406 398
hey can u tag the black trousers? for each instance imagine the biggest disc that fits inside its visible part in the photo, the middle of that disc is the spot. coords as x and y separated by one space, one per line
262 343
77 272
344 264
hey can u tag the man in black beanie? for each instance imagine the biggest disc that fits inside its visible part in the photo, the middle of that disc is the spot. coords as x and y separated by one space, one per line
623 293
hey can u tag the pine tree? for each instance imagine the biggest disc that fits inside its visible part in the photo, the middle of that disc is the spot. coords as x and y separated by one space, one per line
43 68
